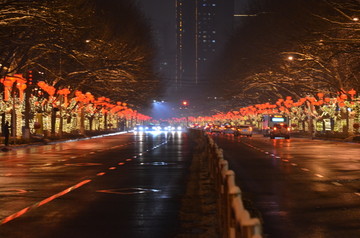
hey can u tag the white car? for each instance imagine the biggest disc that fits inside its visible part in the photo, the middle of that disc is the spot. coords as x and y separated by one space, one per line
244 130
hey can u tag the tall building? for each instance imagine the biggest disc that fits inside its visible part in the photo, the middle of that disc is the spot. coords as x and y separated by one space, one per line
202 27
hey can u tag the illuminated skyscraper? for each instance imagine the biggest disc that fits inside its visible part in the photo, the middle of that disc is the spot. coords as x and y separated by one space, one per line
201 30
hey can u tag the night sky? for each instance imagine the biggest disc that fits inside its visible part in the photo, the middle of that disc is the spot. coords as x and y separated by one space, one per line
273 25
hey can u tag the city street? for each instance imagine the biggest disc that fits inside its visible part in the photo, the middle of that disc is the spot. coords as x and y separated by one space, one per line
300 187
125 185
131 185
142 74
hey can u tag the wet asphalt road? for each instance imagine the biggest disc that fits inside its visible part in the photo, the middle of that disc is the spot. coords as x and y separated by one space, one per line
116 186
300 187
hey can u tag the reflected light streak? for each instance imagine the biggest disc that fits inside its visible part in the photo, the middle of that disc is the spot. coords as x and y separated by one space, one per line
47 200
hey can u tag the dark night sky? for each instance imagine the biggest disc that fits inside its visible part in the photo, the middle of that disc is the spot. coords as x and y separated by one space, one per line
161 14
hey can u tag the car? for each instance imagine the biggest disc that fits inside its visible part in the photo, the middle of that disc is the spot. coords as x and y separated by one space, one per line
165 126
228 129
280 130
139 128
178 128
152 128
208 127
244 130
172 128
215 129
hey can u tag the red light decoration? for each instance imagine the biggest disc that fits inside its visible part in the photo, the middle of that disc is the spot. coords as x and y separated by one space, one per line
8 83
352 93
320 95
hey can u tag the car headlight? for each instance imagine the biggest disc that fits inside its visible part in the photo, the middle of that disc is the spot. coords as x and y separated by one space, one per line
179 128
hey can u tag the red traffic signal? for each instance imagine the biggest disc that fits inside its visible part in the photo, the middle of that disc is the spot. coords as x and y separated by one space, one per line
185 103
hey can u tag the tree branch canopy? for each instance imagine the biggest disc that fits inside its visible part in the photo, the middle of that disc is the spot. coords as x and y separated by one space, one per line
104 47
297 48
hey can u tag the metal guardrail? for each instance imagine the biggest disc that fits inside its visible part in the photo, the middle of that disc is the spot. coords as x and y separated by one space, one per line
235 220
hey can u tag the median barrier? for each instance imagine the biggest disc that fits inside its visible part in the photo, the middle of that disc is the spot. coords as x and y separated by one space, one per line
234 220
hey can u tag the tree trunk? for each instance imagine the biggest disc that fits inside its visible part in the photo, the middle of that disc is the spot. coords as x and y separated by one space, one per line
61 126
26 134
105 122
82 120
53 121
91 119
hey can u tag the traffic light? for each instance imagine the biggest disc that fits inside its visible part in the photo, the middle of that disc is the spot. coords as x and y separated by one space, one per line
185 103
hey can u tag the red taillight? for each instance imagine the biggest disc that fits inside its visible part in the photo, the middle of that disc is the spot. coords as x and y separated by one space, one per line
288 129
250 128
275 128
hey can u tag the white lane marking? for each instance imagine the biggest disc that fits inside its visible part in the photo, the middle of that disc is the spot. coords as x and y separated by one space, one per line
319 175
357 194
337 183
305 169
293 164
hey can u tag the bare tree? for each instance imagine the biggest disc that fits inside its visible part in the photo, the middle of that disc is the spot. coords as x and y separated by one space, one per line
78 43
296 49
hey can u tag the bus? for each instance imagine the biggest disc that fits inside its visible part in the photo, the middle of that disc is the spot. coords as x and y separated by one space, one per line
268 122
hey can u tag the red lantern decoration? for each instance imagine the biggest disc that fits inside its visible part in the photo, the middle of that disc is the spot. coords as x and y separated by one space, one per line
352 93
343 96
320 95
8 83
21 87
